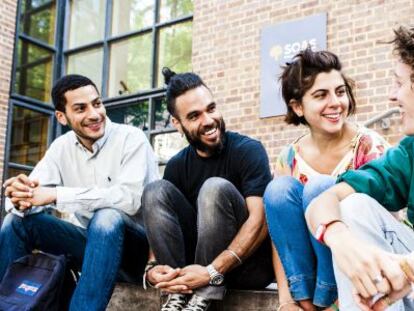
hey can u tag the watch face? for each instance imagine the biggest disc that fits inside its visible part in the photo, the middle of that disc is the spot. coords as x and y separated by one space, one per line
217 280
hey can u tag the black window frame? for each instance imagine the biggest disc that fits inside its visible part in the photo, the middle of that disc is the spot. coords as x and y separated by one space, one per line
60 54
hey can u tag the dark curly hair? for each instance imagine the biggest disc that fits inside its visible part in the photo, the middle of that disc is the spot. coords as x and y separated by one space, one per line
178 84
404 46
298 77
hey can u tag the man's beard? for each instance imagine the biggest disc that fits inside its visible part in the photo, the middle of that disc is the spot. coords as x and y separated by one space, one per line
195 139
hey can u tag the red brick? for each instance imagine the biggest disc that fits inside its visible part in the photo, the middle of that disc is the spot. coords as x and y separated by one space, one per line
357 31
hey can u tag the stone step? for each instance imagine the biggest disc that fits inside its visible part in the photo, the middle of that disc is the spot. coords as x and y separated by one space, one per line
128 297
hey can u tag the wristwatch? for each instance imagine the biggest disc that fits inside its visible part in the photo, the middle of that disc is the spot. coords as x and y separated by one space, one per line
216 278
321 229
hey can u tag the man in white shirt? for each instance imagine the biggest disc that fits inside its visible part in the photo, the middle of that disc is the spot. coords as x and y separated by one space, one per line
97 171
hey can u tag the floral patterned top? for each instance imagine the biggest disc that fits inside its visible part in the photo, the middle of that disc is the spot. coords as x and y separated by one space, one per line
365 146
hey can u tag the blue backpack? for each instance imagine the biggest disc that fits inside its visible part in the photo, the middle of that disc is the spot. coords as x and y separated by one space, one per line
34 283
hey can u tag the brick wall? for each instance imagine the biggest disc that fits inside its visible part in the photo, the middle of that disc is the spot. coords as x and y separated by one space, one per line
7 32
226 53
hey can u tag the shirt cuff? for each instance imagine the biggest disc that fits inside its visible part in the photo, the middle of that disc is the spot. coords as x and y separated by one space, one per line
64 195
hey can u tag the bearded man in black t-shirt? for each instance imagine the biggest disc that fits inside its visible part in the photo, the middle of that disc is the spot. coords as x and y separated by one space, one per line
205 220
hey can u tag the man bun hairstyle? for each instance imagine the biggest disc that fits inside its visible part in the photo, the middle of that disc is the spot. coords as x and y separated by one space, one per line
299 76
68 83
178 84
404 46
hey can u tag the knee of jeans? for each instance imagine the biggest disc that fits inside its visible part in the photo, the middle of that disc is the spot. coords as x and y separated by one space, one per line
154 193
315 186
278 190
211 190
356 209
107 220
10 222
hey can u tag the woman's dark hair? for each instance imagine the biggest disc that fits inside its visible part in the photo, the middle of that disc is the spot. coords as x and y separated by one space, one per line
299 75
404 46
178 84
68 83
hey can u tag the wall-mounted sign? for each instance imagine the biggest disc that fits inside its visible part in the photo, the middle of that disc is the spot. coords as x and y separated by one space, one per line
279 43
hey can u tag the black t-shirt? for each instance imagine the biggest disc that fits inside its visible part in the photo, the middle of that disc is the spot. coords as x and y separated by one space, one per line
243 161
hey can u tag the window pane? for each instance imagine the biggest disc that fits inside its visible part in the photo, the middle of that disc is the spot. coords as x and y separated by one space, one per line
130 66
168 144
130 15
171 9
162 116
175 49
87 21
28 136
136 115
12 172
37 20
89 64
33 71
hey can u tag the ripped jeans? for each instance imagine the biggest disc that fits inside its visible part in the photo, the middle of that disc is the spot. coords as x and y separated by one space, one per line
112 248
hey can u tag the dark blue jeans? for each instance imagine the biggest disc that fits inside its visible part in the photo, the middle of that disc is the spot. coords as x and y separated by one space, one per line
307 263
112 248
181 234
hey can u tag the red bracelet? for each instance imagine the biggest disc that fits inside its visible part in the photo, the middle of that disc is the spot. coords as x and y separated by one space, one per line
321 230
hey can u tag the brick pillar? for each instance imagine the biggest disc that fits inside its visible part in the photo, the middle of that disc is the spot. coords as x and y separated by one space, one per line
7 32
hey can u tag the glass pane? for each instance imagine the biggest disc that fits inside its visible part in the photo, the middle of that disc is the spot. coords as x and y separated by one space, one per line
87 21
12 172
136 115
28 136
89 64
37 20
130 15
130 66
168 144
175 49
33 71
162 116
171 9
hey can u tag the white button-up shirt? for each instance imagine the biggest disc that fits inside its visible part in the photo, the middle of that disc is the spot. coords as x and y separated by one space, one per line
112 176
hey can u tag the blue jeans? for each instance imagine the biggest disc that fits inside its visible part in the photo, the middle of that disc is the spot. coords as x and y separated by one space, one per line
307 263
112 248
181 234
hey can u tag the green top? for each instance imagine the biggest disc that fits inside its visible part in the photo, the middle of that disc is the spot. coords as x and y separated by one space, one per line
389 179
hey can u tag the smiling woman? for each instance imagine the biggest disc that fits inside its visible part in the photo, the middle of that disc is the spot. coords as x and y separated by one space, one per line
319 96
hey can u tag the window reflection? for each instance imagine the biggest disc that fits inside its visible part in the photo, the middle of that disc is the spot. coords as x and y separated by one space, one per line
135 115
167 145
171 9
130 15
87 21
16 171
130 66
87 63
28 136
175 49
37 20
33 71
162 116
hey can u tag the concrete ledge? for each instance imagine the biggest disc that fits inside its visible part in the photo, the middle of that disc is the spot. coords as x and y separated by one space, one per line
128 297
